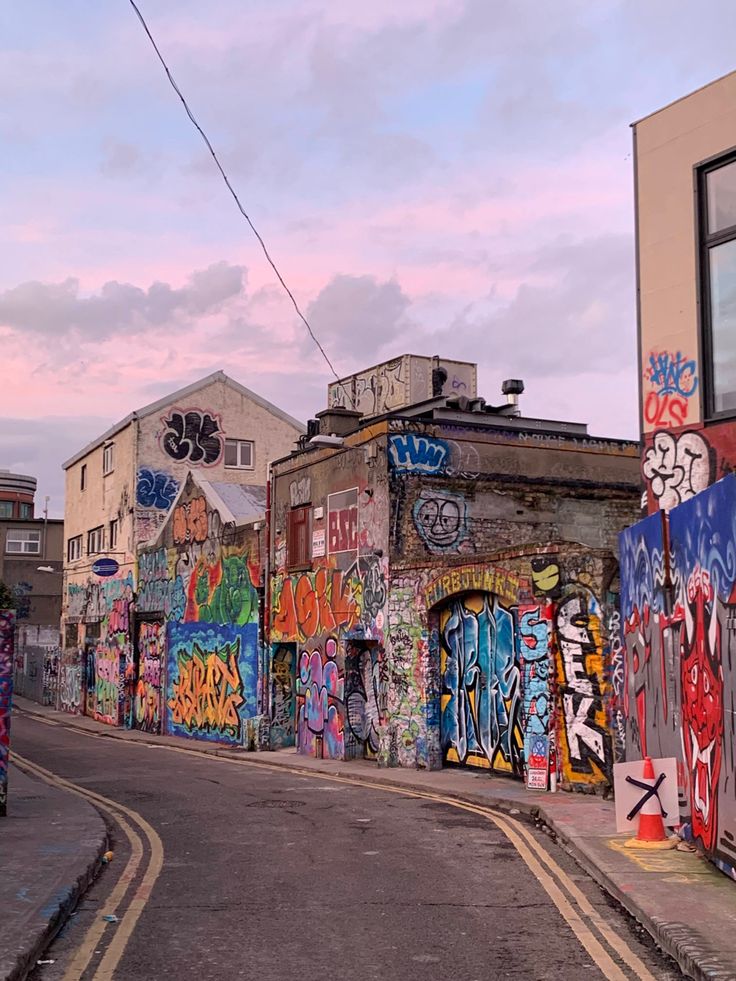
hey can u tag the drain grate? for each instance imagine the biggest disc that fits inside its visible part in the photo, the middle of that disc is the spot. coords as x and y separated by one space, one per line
273 802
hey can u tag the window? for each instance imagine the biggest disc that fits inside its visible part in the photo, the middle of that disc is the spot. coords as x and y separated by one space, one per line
6 509
71 635
95 540
26 510
239 453
74 548
717 186
113 534
297 546
83 475
23 541
108 459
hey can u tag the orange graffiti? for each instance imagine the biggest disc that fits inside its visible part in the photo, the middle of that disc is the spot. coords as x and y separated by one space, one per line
209 690
190 522
320 602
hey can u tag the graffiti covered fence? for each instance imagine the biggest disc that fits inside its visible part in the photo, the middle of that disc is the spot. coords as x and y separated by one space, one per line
7 629
678 611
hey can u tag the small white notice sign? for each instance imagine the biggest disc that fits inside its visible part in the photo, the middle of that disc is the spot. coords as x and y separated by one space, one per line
629 794
318 543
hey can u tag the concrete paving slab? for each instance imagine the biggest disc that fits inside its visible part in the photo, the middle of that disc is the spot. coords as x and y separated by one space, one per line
51 845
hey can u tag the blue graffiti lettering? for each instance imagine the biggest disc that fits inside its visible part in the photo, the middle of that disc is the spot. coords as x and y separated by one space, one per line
409 453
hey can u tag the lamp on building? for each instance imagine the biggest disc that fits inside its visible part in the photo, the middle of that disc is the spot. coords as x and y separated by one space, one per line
324 439
45 568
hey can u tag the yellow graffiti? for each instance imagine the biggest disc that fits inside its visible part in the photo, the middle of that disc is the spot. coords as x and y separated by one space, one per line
209 690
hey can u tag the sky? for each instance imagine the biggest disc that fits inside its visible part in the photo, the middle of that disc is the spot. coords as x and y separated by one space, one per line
446 177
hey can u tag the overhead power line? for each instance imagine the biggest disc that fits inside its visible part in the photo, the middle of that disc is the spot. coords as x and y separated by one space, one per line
230 188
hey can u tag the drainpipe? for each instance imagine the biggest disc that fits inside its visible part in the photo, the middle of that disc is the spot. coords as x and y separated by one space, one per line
266 639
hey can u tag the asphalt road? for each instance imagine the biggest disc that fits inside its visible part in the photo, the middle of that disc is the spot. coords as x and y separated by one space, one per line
270 875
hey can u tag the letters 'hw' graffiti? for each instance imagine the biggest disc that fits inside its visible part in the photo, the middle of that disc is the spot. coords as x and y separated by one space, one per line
192 436
211 680
409 453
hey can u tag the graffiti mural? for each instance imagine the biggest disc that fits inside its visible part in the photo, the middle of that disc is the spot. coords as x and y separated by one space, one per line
441 519
585 740
320 703
362 700
7 631
192 436
22 597
671 379
158 591
534 655
70 682
190 522
677 467
315 603
480 688
211 684
412 454
148 684
105 682
283 682
155 489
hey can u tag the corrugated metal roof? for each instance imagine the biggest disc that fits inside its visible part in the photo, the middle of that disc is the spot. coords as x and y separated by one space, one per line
246 502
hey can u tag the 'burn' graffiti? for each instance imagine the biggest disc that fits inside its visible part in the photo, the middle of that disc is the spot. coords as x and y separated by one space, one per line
211 688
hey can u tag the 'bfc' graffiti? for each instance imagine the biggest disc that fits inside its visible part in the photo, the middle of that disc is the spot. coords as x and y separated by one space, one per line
585 740
7 631
320 703
480 687
212 679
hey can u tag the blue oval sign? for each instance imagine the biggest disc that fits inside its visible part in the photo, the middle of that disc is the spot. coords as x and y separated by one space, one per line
105 567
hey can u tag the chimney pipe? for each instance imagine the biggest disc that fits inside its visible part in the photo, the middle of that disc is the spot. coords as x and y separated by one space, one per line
512 389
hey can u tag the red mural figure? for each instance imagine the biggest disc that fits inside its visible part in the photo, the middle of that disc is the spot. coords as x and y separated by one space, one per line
702 706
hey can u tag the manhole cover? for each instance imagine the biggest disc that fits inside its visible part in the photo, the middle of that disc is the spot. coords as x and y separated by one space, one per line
272 802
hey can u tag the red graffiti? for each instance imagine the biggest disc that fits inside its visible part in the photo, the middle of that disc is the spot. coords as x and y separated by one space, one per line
343 530
702 707
665 411
320 602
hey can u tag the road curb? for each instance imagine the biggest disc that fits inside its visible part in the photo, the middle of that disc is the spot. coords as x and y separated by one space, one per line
63 903
694 956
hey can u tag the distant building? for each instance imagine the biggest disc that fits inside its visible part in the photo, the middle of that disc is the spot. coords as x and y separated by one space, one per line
444 583
31 556
678 566
119 491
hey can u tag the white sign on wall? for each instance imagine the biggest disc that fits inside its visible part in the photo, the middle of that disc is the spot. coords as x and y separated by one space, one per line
318 543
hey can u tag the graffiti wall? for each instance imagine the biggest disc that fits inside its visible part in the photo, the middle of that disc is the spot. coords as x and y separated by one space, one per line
283 696
678 607
148 676
212 680
7 630
481 684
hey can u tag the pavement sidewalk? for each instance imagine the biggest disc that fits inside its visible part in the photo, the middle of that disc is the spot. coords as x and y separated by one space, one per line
684 902
51 844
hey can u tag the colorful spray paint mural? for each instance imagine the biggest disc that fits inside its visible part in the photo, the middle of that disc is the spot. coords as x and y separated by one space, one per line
321 703
586 748
149 672
212 674
363 699
678 608
533 636
7 630
480 691
283 696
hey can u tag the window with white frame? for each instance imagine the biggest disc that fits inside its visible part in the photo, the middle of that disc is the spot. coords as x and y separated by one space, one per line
239 454
95 540
108 459
113 534
23 541
74 548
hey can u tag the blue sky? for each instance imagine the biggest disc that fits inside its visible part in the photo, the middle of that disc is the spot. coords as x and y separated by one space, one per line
432 176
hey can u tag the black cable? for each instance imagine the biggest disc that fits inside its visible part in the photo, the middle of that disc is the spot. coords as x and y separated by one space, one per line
229 186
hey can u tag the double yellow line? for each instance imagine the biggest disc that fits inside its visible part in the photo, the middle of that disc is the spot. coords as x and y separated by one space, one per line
131 823
591 929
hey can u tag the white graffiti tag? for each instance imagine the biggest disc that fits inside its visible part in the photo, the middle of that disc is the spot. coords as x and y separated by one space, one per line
677 468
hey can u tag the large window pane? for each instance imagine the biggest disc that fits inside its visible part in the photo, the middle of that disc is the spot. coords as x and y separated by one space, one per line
722 259
721 193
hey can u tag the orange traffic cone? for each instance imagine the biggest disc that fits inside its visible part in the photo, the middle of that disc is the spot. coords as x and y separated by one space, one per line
651 832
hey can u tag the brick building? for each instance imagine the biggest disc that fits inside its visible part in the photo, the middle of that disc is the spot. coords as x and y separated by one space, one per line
443 589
